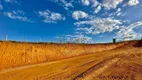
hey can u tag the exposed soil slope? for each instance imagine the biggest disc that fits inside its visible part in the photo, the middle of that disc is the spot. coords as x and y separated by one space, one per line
15 54
123 63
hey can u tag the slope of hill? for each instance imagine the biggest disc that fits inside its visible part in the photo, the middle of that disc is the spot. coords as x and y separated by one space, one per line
121 63
15 54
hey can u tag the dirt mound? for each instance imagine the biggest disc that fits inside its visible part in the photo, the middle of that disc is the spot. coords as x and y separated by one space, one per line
124 63
129 44
15 54
138 44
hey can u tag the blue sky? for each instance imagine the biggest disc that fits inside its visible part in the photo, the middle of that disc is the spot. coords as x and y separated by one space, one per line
74 20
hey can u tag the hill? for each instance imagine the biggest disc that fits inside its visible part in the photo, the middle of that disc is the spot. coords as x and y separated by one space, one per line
122 61
15 54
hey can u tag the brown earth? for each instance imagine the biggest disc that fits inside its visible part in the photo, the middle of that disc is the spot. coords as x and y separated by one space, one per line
121 61
15 54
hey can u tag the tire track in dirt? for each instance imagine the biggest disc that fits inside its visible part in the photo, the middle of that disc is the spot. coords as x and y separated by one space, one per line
86 67
73 75
93 72
97 69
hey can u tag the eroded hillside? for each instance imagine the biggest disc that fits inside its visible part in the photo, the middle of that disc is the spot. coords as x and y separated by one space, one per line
15 54
123 63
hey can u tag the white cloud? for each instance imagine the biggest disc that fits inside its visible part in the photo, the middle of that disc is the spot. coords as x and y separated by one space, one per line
111 4
17 15
139 35
51 17
79 15
98 9
1 7
64 3
118 12
99 25
85 2
133 2
135 25
127 33
79 38
88 2
95 3
119 9
107 4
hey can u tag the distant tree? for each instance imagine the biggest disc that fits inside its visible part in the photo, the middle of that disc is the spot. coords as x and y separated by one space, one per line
114 40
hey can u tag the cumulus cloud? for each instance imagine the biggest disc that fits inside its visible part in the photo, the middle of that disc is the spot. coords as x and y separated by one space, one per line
85 2
79 15
133 2
51 17
99 25
20 15
95 3
111 4
98 9
88 2
128 33
79 38
107 4
117 12
76 38
64 3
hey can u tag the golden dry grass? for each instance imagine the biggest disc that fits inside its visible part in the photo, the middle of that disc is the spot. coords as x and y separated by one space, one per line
122 63
15 54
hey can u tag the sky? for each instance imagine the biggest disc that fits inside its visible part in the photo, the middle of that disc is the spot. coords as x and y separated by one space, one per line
71 20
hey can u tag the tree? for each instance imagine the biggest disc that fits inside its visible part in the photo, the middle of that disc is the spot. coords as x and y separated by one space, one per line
114 40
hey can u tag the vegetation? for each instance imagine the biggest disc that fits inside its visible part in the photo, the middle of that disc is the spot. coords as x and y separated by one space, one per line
123 63
114 40
15 54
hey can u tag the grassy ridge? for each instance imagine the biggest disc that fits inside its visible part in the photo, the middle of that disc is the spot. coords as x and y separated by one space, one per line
123 63
14 54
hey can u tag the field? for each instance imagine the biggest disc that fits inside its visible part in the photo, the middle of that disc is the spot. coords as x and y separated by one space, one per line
44 61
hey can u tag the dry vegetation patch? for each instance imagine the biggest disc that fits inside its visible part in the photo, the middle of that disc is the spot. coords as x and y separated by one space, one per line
121 61
15 54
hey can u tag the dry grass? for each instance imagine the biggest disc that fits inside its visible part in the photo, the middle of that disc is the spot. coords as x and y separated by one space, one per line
123 63
15 54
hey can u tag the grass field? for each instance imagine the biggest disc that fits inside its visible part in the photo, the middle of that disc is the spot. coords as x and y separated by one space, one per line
15 54
30 61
